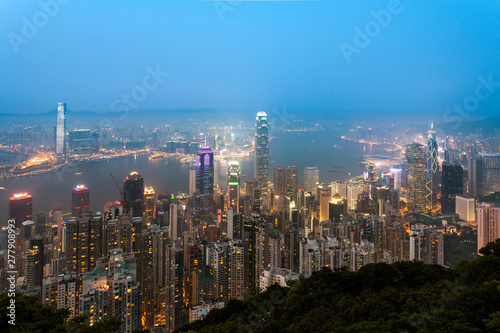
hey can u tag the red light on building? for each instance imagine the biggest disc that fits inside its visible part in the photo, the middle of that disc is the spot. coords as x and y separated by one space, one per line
80 200
20 208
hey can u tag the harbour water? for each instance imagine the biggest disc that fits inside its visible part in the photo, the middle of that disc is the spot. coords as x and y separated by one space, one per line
53 190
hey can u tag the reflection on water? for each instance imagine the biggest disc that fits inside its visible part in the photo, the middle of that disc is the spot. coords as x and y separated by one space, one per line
53 190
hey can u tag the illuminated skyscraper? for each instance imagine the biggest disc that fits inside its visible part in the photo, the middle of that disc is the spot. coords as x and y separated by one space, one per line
415 155
80 200
61 129
261 161
451 186
133 192
233 185
20 208
149 203
432 170
335 208
204 182
82 242
311 178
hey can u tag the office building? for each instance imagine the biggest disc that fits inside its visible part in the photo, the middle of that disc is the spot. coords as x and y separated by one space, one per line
80 200
61 130
80 142
311 178
432 170
20 208
133 193
149 204
204 184
465 208
416 182
491 172
452 184
286 186
261 161
475 177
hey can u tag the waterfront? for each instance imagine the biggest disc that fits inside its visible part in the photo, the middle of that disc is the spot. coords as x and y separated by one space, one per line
53 190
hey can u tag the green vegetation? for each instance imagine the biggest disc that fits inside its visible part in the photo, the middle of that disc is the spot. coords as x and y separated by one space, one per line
402 297
461 246
34 317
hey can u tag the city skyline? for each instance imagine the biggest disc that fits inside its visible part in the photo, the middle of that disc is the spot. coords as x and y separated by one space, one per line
253 165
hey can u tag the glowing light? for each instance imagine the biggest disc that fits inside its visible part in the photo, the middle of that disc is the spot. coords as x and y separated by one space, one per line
20 196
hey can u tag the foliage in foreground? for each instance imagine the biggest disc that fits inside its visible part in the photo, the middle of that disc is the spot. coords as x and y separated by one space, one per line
402 297
34 317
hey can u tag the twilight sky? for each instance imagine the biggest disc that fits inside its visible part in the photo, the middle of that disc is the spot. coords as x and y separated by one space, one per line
249 55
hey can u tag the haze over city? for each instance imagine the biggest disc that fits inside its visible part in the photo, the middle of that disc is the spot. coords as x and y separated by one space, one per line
253 166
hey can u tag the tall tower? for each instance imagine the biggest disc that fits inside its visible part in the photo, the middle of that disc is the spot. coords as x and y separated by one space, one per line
204 182
80 200
432 170
61 129
233 185
261 161
452 185
415 155
133 192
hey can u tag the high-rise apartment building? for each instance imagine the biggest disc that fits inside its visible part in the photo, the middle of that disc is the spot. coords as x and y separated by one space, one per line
488 224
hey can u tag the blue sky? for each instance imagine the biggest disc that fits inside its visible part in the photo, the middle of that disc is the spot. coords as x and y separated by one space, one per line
256 55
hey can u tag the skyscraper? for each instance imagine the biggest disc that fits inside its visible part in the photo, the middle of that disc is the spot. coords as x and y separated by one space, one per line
491 174
233 185
432 170
82 242
416 183
133 192
261 161
311 177
20 208
475 177
452 185
286 185
80 200
80 142
150 204
61 129
204 183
